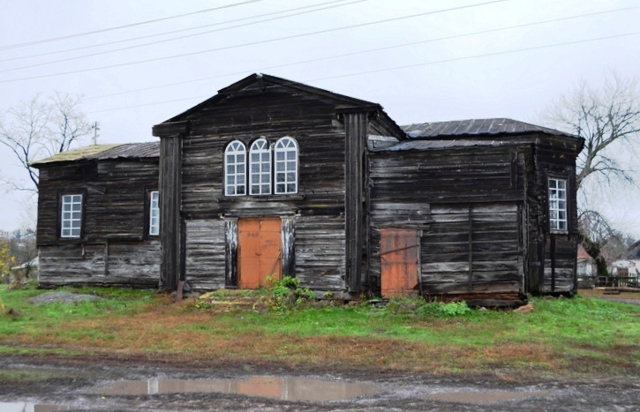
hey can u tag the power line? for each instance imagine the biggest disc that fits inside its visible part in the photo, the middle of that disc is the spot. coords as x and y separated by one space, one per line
263 69
170 32
254 43
184 37
71 36
477 56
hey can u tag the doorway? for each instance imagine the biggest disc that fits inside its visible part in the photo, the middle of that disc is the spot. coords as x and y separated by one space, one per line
399 253
259 251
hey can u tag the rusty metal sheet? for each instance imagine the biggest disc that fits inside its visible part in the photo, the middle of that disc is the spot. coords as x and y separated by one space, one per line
399 250
259 252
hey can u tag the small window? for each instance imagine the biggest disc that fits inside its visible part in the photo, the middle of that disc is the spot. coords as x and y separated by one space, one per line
260 168
558 204
71 219
286 164
235 169
154 213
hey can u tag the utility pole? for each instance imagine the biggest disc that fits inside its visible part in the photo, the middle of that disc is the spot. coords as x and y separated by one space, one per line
95 133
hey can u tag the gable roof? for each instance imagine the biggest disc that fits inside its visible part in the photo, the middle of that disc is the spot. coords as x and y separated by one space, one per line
265 81
104 152
477 127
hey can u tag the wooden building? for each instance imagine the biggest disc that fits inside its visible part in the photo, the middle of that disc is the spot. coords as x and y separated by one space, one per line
94 223
271 177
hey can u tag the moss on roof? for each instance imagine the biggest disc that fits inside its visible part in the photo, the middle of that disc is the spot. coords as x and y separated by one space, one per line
76 154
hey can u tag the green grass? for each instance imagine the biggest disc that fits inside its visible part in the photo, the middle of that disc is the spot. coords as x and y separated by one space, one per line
34 319
584 335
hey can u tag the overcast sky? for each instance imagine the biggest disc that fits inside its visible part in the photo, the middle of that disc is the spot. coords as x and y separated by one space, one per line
428 62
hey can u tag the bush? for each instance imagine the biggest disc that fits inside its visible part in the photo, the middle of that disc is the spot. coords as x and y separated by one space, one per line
286 294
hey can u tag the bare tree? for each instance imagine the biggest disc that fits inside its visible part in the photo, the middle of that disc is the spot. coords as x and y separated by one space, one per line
608 118
36 129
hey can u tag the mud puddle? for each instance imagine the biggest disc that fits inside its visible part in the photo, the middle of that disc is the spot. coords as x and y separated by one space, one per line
30 407
483 398
282 388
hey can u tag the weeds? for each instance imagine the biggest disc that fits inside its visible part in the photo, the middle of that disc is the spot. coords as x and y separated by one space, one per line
286 294
421 308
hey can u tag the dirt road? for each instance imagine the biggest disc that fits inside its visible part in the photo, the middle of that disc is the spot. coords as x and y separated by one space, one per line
28 383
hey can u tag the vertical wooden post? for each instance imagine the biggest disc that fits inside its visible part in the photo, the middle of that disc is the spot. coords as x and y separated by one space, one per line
170 202
356 125
231 253
470 286
288 247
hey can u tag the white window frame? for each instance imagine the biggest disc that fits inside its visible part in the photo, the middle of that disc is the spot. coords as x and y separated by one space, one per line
285 166
71 216
260 167
154 213
235 157
558 210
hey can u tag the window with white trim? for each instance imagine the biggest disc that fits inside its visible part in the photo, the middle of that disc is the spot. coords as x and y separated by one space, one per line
286 165
260 168
235 169
71 218
558 204
154 213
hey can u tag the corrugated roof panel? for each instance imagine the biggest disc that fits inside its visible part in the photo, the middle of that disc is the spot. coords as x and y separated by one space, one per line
103 152
477 127
76 154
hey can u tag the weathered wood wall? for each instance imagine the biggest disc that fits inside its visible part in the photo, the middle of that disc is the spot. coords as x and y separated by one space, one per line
115 248
553 255
468 204
315 257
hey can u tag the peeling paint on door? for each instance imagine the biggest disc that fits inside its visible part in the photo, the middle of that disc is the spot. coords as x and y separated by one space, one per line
259 252
399 251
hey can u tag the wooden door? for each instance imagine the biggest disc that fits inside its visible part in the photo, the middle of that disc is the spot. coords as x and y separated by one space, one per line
259 252
399 249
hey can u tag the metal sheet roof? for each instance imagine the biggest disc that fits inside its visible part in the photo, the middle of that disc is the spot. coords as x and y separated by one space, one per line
433 144
103 152
477 127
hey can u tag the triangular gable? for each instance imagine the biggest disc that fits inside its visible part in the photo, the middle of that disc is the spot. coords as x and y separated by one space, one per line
265 81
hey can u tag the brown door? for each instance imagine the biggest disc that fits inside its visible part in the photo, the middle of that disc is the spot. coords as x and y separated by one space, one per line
259 252
399 250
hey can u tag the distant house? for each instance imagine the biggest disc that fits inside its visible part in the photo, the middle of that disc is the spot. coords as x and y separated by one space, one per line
586 269
626 271
271 177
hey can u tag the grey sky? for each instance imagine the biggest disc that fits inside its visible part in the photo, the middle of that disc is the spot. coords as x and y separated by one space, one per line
514 74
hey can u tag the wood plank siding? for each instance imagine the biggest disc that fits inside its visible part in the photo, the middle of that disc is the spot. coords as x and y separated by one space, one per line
468 205
313 219
115 247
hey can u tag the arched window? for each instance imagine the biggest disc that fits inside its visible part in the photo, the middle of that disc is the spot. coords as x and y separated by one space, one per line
235 169
286 163
260 168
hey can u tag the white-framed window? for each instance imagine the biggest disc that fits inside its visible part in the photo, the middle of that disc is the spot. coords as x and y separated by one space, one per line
558 204
286 165
260 168
235 169
71 219
154 213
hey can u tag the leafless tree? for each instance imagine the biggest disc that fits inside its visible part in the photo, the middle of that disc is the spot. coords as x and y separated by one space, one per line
35 129
608 118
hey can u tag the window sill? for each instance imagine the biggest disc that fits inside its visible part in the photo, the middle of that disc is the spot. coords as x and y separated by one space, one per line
260 198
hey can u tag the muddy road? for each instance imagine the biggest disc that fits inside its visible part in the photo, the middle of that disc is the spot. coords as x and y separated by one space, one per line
50 384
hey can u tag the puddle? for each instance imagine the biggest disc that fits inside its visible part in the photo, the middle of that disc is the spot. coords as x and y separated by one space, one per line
480 398
30 407
284 388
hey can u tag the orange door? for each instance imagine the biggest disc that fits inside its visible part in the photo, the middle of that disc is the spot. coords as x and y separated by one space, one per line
399 250
259 252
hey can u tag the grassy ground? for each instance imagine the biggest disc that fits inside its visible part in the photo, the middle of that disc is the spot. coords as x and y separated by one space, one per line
583 335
